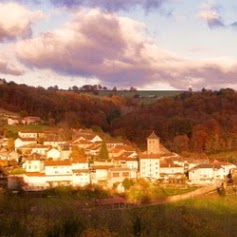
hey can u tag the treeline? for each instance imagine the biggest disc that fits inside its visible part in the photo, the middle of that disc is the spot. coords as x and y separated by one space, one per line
203 121
57 106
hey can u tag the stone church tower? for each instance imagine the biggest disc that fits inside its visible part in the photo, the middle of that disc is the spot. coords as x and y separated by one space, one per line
153 144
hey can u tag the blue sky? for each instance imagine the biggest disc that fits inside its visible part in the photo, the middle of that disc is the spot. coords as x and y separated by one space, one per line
148 44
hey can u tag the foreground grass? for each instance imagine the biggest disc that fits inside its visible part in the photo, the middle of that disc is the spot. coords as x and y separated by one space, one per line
177 191
54 215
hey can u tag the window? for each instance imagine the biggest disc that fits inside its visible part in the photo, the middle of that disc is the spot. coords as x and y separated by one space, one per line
125 174
115 174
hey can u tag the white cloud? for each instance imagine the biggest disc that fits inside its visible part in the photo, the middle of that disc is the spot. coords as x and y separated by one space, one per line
117 51
16 20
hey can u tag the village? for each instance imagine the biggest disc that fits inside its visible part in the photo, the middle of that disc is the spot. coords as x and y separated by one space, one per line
46 160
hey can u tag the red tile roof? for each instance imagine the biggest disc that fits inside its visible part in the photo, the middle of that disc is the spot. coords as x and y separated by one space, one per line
57 163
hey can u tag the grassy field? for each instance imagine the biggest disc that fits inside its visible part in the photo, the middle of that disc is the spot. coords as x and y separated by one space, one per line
69 216
229 156
14 129
141 95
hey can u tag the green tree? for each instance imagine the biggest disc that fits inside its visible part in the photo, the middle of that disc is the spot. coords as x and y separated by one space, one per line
104 154
127 183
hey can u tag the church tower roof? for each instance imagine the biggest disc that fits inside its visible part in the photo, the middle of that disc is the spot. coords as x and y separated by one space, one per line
153 136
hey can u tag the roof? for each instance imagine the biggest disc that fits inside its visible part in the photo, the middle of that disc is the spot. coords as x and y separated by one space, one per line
81 171
149 156
79 160
153 136
57 163
101 167
119 169
28 139
32 117
30 131
34 174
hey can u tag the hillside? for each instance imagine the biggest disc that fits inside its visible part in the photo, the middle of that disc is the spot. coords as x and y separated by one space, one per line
55 106
202 121
65 216
190 121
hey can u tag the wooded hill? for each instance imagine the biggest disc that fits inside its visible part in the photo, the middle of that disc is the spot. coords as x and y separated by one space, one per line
57 106
203 121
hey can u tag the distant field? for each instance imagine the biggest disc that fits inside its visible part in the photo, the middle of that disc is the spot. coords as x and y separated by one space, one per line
141 93
229 156
14 129
143 96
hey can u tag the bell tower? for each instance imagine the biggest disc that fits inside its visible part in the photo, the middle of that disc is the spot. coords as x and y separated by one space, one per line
153 144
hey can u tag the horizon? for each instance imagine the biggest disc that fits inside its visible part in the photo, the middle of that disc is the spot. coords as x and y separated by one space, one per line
151 45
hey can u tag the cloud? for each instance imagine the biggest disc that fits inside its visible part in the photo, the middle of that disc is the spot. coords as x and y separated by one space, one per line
211 15
7 68
16 20
117 51
111 5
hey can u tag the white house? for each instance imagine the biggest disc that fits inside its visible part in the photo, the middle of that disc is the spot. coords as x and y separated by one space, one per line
81 178
58 167
201 174
149 166
33 165
80 164
13 121
28 134
40 149
20 142
118 174
53 153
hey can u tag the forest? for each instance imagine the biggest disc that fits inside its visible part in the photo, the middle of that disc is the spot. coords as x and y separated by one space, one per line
204 121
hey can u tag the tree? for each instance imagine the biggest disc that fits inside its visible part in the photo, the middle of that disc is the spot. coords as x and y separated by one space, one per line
77 153
127 183
104 154
101 232
10 144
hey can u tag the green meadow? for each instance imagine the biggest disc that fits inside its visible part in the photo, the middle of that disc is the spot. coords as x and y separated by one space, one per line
69 215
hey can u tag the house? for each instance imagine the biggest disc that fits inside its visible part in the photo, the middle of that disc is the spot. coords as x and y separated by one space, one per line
81 178
35 181
93 149
87 136
118 174
31 120
149 165
40 149
53 153
54 140
30 134
80 163
58 167
99 173
34 163
127 159
170 170
13 121
202 174
20 142
4 154
226 166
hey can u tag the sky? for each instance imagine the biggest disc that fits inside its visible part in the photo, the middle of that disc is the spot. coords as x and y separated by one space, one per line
147 44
